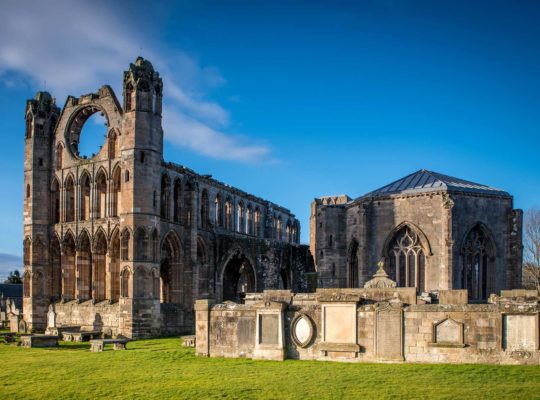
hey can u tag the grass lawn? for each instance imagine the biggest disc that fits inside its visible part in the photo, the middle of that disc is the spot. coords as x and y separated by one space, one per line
161 369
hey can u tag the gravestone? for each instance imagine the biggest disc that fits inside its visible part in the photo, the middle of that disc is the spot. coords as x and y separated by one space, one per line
269 329
449 332
520 332
245 331
51 318
389 333
339 323
22 326
14 320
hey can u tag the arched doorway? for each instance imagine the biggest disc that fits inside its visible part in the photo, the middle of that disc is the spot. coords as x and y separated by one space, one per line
238 278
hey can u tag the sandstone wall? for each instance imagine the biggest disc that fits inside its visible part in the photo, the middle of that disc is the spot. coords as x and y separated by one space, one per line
372 325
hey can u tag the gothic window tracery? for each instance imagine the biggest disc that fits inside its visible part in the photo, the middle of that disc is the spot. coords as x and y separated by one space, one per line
407 259
477 255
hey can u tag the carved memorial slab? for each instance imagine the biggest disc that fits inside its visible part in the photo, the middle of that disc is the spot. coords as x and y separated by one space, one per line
448 332
339 323
269 329
389 334
245 329
520 332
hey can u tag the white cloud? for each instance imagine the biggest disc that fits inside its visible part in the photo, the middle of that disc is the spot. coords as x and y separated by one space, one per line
77 46
189 132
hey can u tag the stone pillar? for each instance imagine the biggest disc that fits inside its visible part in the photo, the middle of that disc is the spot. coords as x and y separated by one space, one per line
447 268
108 276
202 327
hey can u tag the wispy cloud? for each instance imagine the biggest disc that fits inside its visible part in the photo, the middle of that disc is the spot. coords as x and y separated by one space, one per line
77 46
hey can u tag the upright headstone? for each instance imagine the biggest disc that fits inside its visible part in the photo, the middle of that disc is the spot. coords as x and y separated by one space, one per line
389 332
51 321
269 331
520 332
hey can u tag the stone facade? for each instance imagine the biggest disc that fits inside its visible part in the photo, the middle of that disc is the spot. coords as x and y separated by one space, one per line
373 325
434 232
126 241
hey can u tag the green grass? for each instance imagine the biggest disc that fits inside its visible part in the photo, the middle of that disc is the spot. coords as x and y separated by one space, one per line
162 369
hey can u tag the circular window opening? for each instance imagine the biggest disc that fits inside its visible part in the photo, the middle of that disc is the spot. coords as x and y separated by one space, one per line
88 132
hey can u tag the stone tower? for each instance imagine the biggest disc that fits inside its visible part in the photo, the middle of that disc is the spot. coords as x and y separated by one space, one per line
41 117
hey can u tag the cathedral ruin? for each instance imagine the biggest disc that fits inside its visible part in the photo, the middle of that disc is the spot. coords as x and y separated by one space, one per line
125 242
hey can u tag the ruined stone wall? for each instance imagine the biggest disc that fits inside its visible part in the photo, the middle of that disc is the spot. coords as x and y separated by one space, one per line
373 325
503 225
90 317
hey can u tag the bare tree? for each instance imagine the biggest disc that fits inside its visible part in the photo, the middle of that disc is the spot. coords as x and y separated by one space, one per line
531 250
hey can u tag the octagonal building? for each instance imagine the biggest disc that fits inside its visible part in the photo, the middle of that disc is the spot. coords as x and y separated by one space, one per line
432 231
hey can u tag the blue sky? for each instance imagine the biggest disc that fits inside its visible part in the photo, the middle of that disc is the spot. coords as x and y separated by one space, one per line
295 100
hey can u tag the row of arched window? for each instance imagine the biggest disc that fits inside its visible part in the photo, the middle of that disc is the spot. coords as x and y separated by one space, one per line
406 261
240 217
86 269
98 198
112 143
147 285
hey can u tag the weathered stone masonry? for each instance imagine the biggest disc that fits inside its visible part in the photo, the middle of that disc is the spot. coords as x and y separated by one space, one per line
434 232
126 242
373 325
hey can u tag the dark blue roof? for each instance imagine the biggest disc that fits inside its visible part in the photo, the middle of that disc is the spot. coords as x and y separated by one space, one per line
428 181
11 291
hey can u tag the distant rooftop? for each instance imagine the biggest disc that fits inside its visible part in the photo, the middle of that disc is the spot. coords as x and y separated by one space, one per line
429 181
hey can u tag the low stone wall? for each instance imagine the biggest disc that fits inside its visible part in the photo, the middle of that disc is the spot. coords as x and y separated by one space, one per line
89 316
372 325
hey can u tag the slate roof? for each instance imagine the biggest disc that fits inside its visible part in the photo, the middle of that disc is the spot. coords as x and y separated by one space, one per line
428 181
13 292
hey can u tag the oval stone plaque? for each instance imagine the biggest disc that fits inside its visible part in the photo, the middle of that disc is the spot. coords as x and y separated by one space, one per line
302 331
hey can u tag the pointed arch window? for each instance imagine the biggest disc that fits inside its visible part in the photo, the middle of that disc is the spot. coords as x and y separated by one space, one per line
407 259
129 97
477 253
204 209
228 215
165 190
218 211
115 192
352 273
249 221
124 246
59 152
177 201
70 200
241 218
55 201
125 287
257 222
84 204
